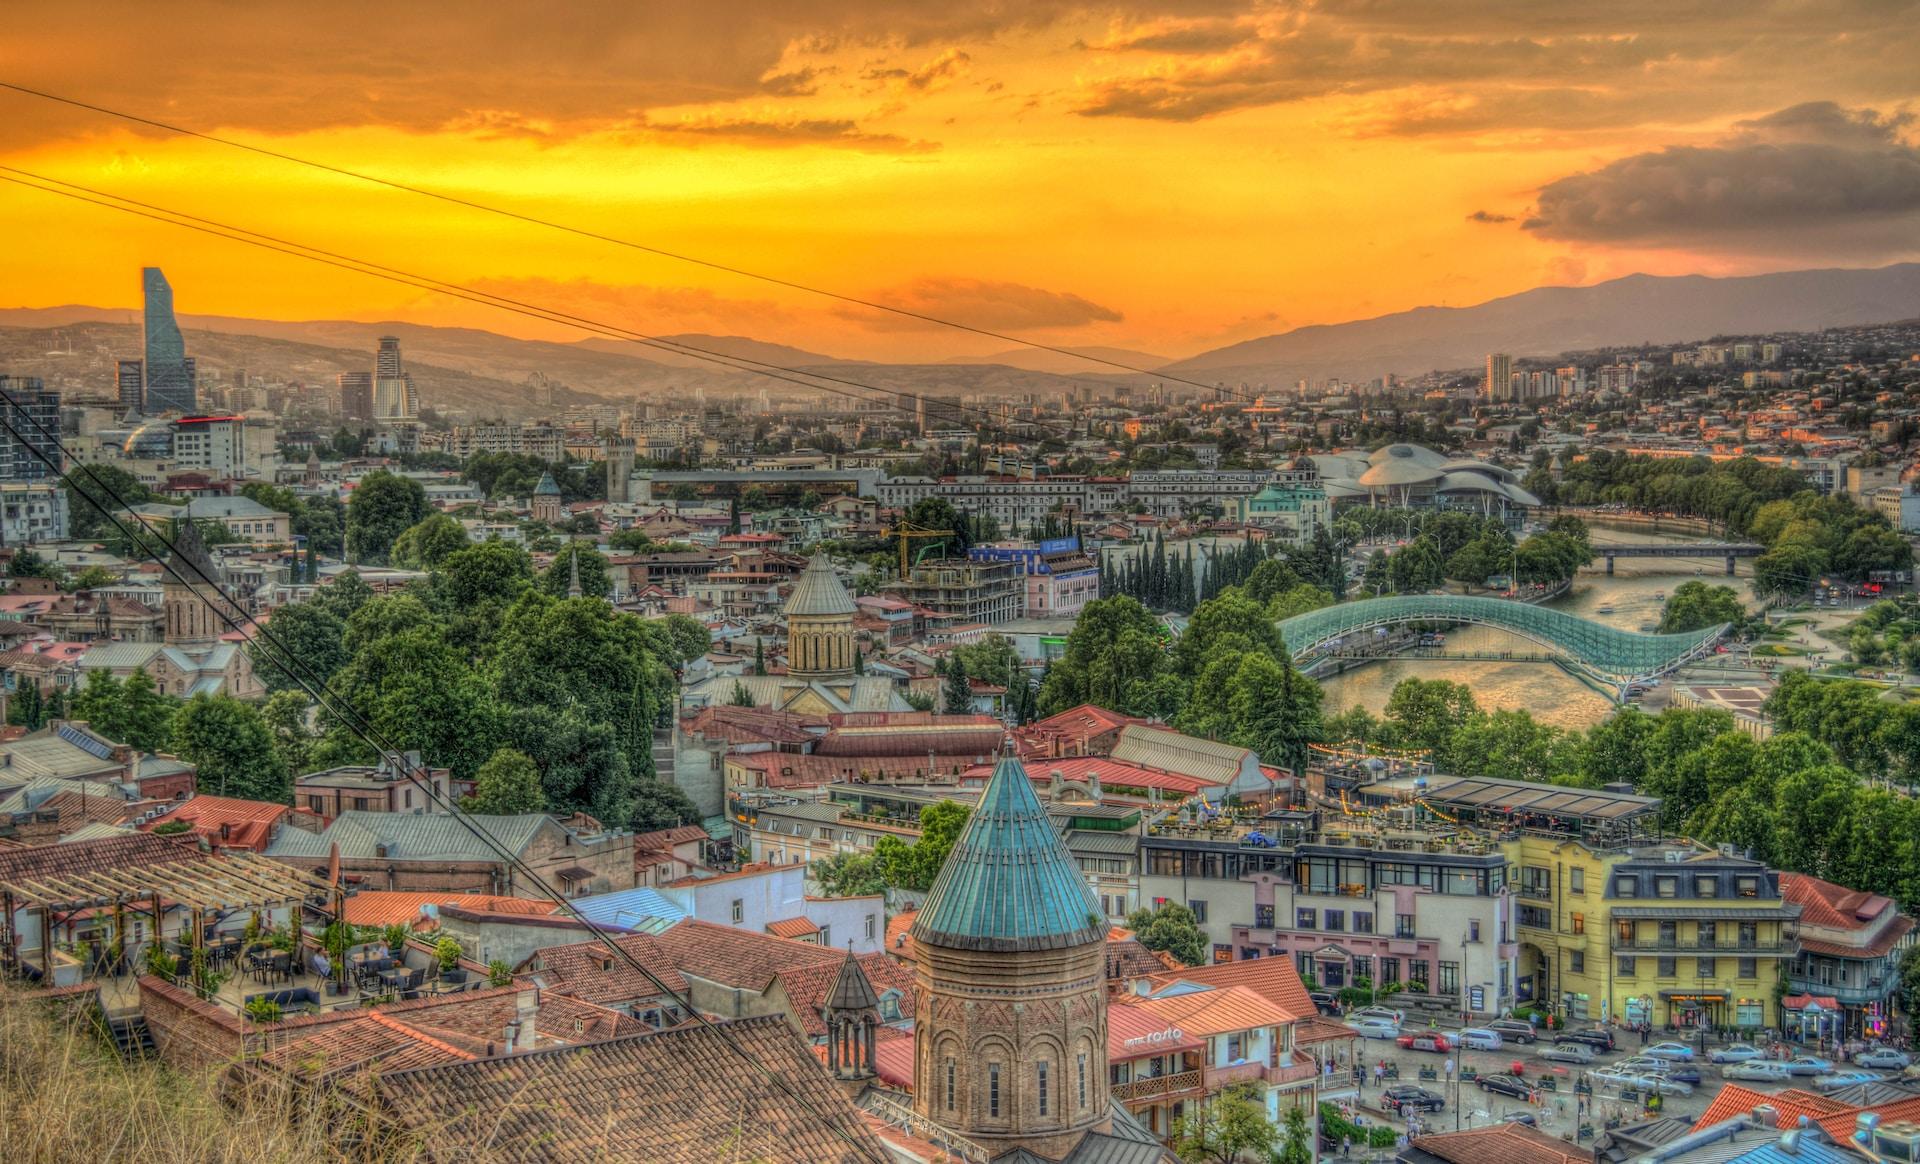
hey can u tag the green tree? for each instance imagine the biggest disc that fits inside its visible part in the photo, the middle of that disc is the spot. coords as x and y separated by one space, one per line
231 746
1695 606
1171 927
594 582
133 711
957 697
96 493
1296 1139
691 638
384 506
1113 659
346 593
92 578
307 644
915 866
286 714
386 615
660 805
493 572
741 697
29 564
1423 713
848 875
508 784
1233 1126
422 694
425 544
27 709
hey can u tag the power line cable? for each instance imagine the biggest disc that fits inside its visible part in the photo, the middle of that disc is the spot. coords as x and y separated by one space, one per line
798 376
615 240
303 675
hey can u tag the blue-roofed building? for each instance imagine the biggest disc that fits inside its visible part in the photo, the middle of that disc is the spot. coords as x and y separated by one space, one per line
1010 1032
639 910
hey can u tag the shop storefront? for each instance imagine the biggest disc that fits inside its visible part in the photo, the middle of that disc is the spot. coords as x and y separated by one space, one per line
1695 1010
1810 1018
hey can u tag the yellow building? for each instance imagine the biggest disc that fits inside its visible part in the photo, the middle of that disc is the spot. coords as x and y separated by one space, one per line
1674 934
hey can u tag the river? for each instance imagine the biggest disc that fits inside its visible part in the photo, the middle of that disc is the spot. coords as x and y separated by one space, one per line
1633 598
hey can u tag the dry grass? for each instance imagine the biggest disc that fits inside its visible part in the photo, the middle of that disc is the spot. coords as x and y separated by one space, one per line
69 1098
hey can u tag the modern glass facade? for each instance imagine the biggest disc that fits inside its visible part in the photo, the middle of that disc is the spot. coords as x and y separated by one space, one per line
171 381
33 413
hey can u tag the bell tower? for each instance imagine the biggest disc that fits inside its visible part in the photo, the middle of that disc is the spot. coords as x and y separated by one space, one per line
819 616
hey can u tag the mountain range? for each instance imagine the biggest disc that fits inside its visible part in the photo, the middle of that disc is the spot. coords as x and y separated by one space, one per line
488 374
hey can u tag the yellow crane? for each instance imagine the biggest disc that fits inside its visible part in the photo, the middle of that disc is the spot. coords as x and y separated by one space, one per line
906 531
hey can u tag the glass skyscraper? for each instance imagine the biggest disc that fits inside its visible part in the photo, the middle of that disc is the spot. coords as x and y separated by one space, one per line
30 438
171 381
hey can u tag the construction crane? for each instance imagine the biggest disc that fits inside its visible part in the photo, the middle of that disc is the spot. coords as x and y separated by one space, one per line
906 531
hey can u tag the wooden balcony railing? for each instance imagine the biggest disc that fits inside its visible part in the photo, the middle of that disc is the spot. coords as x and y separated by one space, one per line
1157 1086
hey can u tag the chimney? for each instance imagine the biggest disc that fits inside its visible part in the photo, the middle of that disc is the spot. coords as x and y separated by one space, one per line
1055 782
526 1009
1093 785
1764 1116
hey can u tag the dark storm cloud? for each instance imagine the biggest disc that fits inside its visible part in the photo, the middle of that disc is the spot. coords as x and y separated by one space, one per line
1816 172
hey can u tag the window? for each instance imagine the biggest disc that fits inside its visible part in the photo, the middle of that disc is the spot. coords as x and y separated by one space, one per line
1403 925
1749 935
1305 919
1748 887
1577 962
1263 917
1579 923
1199 909
1747 1012
1449 978
739 910
1749 968
1706 887
1669 933
1417 975
1623 931
1576 880
1236 1047
1624 887
1536 881
1389 970
1666 886
1362 922
1041 1079
1335 921
1535 917
1473 929
1626 967
1705 969
1668 967
826 936
1363 967
950 1072
993 1090
1083 1081
1706 935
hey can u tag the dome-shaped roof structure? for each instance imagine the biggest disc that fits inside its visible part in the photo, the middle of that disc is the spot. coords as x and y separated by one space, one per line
1418 454
150 442
548 487
1009 883
1398 471
819 591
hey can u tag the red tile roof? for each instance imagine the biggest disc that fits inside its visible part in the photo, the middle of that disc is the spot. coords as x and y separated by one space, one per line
1822 903
1133 1031
1113 774
1500 1144
1213 1012
383 907
748 1089
248 824
1732 1100
792 927
1274 979
589 971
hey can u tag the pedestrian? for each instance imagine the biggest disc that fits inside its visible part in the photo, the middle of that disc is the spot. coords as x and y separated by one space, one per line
1380 1073
1346 1146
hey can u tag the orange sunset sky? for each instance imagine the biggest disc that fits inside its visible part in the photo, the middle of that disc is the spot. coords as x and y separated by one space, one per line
1166 177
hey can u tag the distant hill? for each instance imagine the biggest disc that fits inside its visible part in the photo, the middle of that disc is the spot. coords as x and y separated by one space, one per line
1549 320
779 355
1036 360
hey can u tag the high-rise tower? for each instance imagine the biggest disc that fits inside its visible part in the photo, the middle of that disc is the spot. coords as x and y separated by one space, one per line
394 396
34 412
172 384
131 386
1499 386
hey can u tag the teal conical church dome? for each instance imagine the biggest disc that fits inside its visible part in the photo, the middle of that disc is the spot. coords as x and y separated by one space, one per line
1010 883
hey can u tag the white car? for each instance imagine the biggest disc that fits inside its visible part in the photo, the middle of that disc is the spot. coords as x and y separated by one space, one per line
1374 1028
1480 1039
1736 1053
1677 1052
1640 1081
1384 1013
1883 1058
1839 1079
1758 1071
1578 1053
1809 1065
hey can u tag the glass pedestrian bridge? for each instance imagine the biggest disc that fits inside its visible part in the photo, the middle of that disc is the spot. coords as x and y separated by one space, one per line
1603 650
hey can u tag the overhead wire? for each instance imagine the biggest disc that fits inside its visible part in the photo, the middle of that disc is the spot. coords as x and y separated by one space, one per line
615 240
800 377
316 689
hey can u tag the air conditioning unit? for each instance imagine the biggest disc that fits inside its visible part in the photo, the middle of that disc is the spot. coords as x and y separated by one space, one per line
1897 1141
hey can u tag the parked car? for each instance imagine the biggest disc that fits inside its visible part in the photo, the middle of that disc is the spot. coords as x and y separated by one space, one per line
1520 1117
1514 1030
1736 1053
1325 1002
1666 1068
1839 1079
1425 1041
1384 1013
1374 1028
1884 1058
1809 1065
1677 1052
1480 1039
1578 1053
1506 1085
1641 1081
1599 1038
1407 1097
1758 1071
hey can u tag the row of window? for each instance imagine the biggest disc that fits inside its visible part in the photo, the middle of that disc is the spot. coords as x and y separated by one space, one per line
1748 968
1043 1086
1333 975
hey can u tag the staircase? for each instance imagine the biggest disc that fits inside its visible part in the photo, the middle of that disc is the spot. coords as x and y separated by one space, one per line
131 1036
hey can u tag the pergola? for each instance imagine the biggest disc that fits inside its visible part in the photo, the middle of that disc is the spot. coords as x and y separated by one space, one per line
206 884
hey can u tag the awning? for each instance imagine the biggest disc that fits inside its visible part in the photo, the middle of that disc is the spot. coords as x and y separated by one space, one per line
575 873
1694 996
1773 913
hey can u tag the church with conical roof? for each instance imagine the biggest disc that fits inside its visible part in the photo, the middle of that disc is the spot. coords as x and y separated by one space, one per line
1010 1030
820 678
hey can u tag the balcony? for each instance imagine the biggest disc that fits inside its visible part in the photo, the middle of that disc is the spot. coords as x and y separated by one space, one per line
1535 892
1219 1077
1303 1068
1777 948
1158 1087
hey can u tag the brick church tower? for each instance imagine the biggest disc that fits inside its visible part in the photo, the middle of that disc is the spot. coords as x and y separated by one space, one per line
1010 1038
